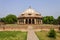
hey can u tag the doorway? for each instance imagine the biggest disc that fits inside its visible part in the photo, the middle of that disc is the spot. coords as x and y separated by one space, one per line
32 21
29 21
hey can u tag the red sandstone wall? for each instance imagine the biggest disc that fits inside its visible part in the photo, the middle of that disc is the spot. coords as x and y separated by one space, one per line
24 27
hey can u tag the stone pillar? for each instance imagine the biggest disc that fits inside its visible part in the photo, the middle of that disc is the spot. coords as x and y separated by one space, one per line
38 21
18 22
24 21
27 21
35 21
41 21
31 21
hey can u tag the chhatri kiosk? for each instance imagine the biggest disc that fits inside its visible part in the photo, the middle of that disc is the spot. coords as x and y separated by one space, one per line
30 16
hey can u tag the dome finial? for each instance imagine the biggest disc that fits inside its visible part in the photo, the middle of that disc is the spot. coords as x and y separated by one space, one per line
30 7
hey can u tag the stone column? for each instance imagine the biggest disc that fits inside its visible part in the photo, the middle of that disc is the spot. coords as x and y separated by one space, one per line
41 21
27 21
38 21
35 21
24 21
18 22
31 21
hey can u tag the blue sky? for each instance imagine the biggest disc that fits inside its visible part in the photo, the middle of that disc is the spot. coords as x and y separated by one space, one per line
45 7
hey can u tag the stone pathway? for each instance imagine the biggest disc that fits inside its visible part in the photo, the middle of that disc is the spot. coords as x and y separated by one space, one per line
31 34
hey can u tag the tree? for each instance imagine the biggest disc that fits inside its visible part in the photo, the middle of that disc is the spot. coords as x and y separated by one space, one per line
55 22
52 33
3 19
48 19
0 19
58 19
10 19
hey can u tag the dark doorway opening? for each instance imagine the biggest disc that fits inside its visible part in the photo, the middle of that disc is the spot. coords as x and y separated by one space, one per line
29 21
32 21
26 21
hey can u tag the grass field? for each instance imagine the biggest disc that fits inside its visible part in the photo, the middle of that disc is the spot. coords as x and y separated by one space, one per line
13 35
43 36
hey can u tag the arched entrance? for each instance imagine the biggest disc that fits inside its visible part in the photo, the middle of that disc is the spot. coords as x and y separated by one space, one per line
30 21
26 21
33 21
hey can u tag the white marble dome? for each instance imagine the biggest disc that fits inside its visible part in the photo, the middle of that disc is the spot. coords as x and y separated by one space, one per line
30 12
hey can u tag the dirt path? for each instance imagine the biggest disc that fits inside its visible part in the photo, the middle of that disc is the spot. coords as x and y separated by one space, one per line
31 34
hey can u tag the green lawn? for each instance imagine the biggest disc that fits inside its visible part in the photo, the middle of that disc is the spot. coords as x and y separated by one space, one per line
13 35
43 36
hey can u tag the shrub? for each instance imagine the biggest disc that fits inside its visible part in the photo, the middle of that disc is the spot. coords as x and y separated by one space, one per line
52 33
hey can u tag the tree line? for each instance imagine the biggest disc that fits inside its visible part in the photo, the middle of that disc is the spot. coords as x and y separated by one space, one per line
11 19
51 20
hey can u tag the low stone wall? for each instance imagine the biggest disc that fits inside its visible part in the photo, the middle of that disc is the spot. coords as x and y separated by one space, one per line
46 27
13 28
24 27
